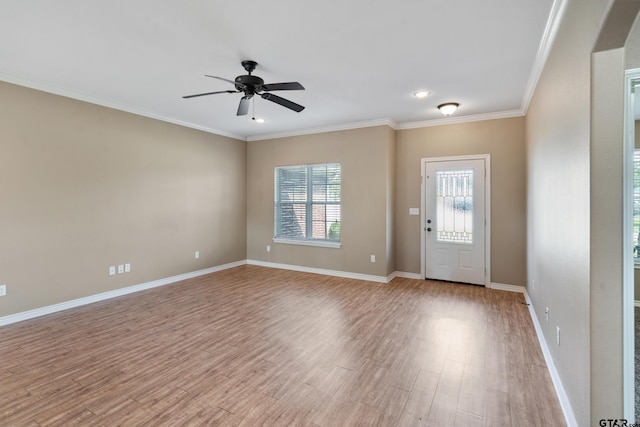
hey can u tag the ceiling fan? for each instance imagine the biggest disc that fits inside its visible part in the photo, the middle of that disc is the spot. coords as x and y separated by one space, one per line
253 85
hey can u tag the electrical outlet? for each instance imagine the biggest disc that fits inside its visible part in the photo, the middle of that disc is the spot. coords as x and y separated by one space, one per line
546 312
120 268
558 335
197 254
127 268
268 248
112 270
3 290
373 258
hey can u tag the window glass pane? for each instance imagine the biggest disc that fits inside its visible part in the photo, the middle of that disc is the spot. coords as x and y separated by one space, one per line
334 178
292 221
319 182
292 184
319 224
333 222
326 182
454 206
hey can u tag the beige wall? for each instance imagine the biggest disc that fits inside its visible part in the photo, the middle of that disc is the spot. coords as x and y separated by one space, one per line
366 156
558 125
504 141
84 187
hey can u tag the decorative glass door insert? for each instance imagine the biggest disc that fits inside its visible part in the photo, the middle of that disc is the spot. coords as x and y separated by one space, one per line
454 206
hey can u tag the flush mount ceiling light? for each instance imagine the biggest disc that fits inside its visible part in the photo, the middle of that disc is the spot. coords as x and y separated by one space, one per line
421 94
449 108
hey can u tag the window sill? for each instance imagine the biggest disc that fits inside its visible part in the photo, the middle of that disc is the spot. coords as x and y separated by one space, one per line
318 243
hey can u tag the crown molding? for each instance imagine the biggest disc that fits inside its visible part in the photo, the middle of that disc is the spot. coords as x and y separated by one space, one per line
19 81
461 119
551 30
331 128
392 124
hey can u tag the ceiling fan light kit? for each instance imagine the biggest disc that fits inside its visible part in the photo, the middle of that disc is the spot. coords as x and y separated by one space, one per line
252 85
448 108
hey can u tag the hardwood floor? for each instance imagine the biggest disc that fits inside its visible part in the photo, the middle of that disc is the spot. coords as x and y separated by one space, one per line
255 346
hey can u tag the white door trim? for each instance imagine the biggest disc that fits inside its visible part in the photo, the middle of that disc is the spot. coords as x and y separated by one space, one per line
628 310
487 204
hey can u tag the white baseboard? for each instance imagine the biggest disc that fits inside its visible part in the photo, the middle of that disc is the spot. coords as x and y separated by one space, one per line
405 275
336 273
509 288
25 315
569 416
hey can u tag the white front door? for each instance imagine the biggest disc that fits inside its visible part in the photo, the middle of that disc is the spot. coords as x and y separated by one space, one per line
454 220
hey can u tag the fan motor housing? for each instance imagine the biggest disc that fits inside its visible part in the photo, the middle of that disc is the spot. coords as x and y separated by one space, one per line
251 83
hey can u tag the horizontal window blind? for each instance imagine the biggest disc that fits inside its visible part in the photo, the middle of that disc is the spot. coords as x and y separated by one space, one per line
307 202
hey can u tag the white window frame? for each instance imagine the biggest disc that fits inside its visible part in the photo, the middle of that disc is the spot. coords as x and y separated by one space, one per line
309 202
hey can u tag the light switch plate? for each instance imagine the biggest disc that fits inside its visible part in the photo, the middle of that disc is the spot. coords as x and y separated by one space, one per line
3 290
414 211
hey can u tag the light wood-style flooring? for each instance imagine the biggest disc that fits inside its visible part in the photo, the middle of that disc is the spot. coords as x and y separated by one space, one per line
255 346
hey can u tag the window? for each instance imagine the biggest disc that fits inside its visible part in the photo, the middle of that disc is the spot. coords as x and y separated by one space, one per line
636 206
307 204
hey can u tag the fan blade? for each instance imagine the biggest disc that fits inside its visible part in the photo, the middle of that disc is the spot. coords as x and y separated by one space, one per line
211 93
243 108
225 80
283 86
284 102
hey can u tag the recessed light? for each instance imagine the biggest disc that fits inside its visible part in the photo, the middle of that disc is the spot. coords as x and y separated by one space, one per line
421 94
259 120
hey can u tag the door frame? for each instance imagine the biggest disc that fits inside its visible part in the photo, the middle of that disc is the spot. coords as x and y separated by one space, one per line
628 286
487 210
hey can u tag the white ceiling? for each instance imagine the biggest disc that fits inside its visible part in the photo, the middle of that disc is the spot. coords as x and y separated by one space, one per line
359 60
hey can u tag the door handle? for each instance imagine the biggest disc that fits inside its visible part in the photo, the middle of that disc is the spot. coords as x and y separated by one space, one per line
429 229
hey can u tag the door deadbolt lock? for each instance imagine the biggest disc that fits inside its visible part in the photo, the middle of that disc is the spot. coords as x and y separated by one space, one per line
428 221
